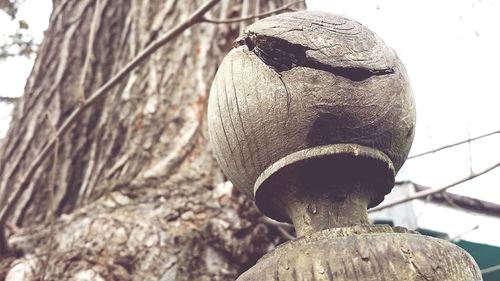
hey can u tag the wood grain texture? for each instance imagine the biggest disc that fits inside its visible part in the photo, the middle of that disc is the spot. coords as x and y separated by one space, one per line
324 186
306 79
365 253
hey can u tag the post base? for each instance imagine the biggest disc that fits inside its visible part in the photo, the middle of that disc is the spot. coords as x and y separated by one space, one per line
365 253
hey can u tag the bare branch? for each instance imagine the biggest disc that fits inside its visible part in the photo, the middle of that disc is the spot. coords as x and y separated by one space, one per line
470 154
11 100
282 227
98 95
463 233
450 201
272 222
285 233
453 144
280 9
428 192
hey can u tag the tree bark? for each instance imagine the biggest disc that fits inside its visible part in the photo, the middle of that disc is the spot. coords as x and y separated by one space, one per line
137 193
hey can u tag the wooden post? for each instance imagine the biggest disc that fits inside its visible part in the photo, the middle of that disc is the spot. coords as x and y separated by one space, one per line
312 115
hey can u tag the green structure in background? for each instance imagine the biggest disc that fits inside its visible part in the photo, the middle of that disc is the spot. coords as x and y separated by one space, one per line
431 217
486 256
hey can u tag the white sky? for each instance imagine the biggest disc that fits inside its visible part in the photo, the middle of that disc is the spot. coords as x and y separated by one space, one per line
451 51
14 71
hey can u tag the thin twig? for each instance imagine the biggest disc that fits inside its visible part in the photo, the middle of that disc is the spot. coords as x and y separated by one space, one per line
463 233
426 201
453 144
272 222
450 201
51 205
428 192
285 233
10 100
470 154
280 9
280 226
195 18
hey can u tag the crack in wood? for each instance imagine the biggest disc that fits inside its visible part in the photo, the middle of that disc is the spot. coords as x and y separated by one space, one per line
283 55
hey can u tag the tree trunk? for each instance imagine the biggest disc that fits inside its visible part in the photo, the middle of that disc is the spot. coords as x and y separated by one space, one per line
137 193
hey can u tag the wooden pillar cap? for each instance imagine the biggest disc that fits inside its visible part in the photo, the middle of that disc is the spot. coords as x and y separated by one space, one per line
311 103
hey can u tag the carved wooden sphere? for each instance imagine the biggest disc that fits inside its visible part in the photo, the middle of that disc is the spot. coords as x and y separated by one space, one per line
310 98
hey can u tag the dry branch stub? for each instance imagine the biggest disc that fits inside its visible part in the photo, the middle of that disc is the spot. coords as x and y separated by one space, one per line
312 114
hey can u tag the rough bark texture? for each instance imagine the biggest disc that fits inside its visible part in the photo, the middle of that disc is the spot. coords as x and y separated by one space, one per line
138 194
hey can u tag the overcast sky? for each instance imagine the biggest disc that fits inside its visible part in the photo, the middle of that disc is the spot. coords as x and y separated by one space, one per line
450 49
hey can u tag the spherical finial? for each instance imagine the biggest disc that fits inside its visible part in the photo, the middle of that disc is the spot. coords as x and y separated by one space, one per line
309 100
